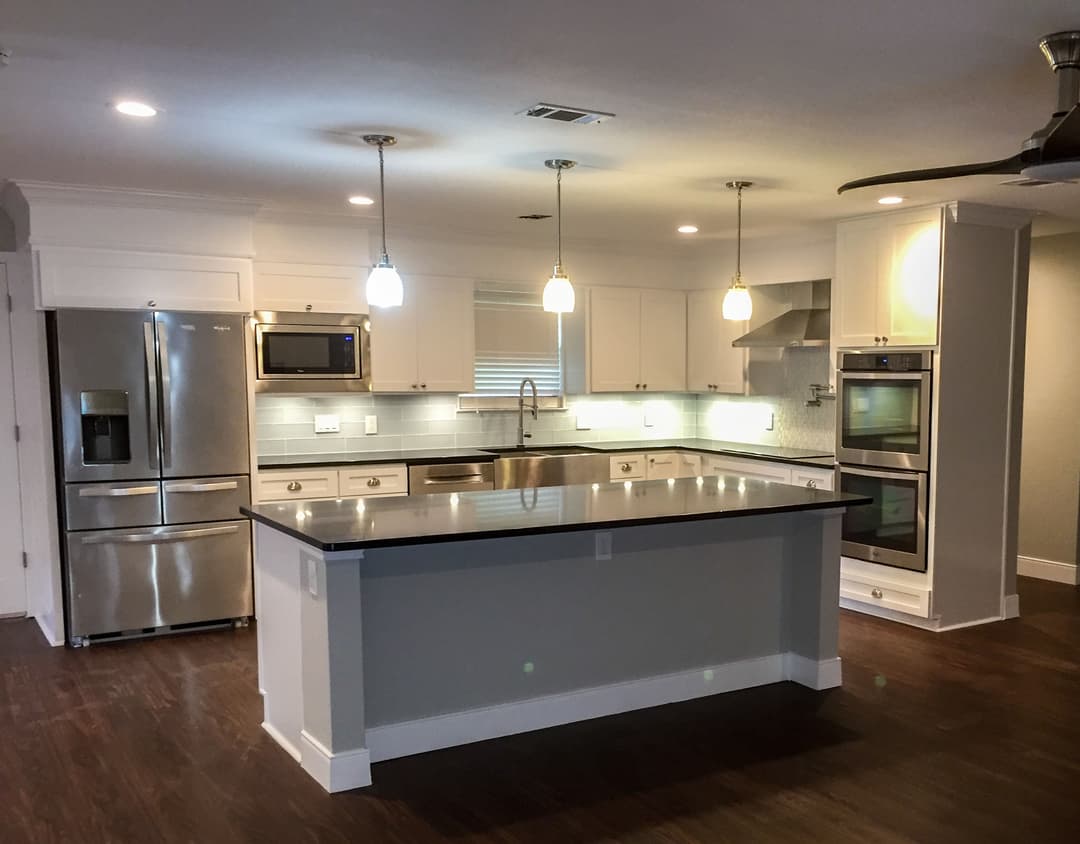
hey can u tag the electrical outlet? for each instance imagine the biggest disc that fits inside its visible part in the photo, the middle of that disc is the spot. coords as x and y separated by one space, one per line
327 423
647 419
582 423
772 422
603 545
371 424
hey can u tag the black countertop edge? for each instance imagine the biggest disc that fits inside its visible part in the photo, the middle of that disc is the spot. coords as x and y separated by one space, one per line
423 457
438 539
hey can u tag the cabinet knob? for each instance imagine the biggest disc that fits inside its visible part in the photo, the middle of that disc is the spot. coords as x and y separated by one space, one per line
637 386
877 340
884 340
626 467
875 593
644 386
307 307
294 486
414 386
423 386
373 482
152 303
811 484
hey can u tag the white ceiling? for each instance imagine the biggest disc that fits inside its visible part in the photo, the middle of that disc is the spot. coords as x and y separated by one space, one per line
261 100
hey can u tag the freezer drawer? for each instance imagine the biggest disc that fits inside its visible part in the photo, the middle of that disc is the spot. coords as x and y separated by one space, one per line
137 579
205 499
113 505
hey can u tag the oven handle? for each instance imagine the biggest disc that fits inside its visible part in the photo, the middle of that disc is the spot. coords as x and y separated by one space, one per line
880 473
913 375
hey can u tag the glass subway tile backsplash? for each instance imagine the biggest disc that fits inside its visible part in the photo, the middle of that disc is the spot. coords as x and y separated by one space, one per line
286 424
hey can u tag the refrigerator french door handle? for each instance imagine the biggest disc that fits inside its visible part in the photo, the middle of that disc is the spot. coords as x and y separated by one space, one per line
166 397
116 492
152 402
156 538
215 486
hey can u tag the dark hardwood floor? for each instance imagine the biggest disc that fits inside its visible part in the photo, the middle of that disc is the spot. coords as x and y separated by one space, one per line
972 735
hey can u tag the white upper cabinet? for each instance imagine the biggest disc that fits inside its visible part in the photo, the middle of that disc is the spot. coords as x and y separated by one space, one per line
888 276
428 344
713 365
321 288
637 340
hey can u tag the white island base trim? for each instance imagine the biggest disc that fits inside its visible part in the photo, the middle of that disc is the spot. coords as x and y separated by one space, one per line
401 651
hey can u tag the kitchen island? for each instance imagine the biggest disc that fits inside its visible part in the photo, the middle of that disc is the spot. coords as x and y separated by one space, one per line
396 626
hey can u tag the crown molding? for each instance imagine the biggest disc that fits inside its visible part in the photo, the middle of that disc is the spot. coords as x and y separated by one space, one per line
55 193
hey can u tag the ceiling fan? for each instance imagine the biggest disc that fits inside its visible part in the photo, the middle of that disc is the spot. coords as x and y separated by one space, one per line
1051 154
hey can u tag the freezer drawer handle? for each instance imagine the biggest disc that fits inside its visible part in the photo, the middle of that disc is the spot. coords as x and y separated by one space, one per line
215 486
156 538
116 492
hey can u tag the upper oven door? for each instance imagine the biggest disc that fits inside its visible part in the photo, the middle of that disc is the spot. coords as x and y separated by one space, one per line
884 419
315 352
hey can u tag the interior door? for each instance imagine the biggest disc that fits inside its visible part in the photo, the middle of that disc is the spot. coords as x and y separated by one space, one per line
663 340
615 339
12 573
204 426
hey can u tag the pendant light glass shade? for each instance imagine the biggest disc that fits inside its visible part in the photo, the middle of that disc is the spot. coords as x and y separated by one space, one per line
559 292
384 287
737 305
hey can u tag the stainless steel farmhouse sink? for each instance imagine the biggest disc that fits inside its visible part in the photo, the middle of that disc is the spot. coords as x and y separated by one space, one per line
522 468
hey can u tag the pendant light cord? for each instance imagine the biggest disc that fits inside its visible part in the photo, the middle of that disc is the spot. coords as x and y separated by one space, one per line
738 240
558 219
382 203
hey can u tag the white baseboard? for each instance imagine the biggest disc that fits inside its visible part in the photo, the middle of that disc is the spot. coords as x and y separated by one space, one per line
48 632
406 738
1012 606
279 737
1048 570
335 771
825 674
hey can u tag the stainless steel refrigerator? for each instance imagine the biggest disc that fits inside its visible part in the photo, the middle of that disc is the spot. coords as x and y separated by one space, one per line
153 453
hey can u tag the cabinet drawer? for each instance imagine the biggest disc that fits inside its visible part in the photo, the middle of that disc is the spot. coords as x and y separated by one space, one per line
370 481
889 596
758 470
628 467
663 464
813 478
298 484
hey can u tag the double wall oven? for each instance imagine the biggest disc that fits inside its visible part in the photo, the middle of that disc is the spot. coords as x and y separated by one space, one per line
883 451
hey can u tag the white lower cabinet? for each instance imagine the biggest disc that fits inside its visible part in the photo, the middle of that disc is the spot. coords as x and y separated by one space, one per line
377 481
758 470
884 593
296 484
628 467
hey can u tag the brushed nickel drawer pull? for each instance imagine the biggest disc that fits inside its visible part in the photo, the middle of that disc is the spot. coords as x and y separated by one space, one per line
374 482
875 593
294 486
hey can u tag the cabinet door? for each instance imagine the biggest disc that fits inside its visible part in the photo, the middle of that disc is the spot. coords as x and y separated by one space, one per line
322 288
855 289
909 295
446 340
615 339
393 346
663 340
713 365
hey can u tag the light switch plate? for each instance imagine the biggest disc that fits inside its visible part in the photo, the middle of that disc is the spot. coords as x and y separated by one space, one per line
371 424
327 423
647 419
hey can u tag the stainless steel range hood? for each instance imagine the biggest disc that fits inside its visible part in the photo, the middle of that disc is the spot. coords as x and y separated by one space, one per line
798 327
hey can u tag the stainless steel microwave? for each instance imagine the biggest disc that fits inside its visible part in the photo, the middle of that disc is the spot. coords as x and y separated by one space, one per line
312 353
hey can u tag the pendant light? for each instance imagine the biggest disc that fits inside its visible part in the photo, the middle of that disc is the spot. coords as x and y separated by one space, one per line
384 288
558 292
737 304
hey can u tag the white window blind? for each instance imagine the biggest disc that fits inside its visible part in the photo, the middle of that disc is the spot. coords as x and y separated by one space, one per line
515 339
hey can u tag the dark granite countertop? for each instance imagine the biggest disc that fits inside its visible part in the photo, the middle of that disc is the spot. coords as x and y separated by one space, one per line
352 524
779 454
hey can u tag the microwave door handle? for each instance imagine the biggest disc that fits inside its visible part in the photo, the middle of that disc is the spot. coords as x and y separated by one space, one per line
152 398
166 398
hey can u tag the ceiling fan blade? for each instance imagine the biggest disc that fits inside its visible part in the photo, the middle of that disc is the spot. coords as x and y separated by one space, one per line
1006 165
1064 139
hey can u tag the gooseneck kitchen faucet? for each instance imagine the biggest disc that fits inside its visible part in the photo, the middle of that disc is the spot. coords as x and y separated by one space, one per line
534 408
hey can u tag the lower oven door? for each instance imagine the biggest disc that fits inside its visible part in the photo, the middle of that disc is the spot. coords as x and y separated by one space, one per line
891 530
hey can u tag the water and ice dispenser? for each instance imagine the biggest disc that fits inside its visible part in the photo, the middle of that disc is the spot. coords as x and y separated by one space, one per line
105 431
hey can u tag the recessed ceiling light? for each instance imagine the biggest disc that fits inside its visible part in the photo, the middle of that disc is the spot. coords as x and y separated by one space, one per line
890 200
135 109
688 229
361 200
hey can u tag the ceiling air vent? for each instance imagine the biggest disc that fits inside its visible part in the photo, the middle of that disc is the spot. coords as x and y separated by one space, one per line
565 114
